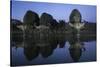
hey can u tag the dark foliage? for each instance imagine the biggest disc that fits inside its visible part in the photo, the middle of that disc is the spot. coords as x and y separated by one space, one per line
75 16
46 19
31 18
14 23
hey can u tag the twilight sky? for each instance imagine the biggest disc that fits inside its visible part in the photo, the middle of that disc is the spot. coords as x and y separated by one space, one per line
58 11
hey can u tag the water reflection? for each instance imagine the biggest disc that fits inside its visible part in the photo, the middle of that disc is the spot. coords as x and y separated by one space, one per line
76 48
44 44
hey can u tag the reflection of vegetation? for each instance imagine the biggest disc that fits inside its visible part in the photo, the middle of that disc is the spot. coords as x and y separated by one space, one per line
31 52
45 45
42 35
75 49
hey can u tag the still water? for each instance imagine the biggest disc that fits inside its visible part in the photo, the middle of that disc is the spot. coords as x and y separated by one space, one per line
50 49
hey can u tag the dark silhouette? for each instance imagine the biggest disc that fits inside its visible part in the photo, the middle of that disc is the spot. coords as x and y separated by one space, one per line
34 45
14 23
31 52
76 48
75 20
46 51
46 19
31 19
16 33
53 25
31 22
75 17
41 45
62 25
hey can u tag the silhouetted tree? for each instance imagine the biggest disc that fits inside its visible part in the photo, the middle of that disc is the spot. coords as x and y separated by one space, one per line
62 25
46 19
53 24
14 23
31 18
75 17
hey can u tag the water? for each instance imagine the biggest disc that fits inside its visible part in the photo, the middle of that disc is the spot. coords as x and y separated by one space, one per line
50 49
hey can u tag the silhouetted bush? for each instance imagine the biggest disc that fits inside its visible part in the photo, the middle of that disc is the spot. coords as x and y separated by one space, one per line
75 16
46 19
31 18
62 24
14 23
53 24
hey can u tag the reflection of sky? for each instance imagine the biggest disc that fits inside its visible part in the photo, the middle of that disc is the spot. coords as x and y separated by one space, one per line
58 11
60 55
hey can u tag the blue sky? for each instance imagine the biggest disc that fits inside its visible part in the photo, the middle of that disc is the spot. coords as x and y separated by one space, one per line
58 11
